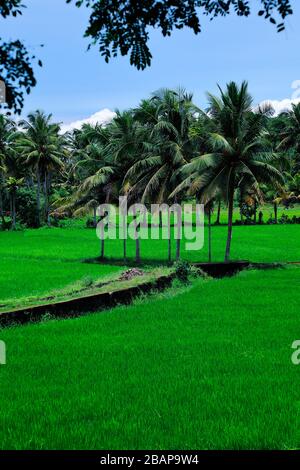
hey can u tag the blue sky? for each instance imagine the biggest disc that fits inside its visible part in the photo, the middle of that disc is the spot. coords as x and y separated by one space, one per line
74 84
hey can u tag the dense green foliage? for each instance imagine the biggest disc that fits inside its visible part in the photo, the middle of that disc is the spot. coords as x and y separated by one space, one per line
166 150
123 27
15 64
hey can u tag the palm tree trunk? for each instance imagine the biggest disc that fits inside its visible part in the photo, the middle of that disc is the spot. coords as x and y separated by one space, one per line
137 241
218 213
29 182
1 198
209 233
102 234
255 211
124 226
95 216
179 231
14 210
160 219
125 250
48 198
46 195
178 249
137 250
1 207
275 212
125 232
12 202
11 210
230 216
169 238
102 248
38 196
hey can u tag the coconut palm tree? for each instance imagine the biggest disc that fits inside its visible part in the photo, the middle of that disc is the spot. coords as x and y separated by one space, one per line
208 211
12 185
290 137
101 157
239 153
7 142
96 189
294 183
126 143
41 147
166 146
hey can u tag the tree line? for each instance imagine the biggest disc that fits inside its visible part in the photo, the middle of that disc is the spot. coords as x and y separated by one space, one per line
166 150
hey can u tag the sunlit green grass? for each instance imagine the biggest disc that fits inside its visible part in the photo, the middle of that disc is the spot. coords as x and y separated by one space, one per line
204 366
207 366
38 261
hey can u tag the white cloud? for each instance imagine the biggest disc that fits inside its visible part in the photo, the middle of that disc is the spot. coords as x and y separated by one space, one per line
283 105
101 117
104 116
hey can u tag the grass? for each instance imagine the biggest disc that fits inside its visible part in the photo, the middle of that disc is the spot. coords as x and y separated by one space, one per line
204 366
36 262
86 287
201 366
266 209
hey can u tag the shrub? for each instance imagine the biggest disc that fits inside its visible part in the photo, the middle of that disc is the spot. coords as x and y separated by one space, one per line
6 225
183 270
285 219
87 281
26 207
90 223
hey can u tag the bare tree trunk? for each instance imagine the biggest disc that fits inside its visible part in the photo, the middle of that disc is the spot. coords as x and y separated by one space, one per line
230 216
95 216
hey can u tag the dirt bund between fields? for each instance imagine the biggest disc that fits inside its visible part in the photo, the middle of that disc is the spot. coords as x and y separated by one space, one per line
83 304
123 296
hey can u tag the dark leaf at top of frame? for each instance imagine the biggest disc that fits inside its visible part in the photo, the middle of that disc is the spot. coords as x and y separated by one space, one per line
122 26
